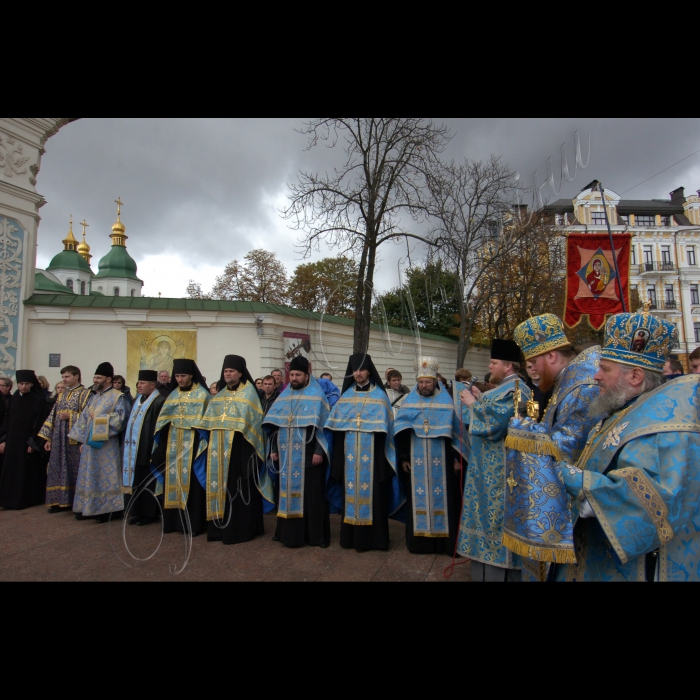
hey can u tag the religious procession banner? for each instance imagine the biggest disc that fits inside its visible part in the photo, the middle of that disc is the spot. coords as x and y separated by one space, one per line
157 350
592 285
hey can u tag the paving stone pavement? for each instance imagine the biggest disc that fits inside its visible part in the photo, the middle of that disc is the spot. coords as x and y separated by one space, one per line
35 546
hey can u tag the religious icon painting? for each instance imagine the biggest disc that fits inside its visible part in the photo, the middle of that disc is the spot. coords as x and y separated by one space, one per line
592 286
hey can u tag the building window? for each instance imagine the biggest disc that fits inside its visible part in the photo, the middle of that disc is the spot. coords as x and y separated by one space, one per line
666 254
598 218
646 221
69 284
625 220
670 299
83 288
633 255
697 332
694 294
666 221
691 255
651 294
116 291
133 292
648 258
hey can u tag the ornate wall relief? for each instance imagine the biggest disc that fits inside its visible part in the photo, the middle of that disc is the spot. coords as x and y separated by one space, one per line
12 237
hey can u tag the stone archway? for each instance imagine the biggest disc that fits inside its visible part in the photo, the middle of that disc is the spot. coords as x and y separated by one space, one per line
22 141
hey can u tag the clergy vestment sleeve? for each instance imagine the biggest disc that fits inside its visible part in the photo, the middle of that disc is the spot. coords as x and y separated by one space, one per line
638 502
572 421
490 418
120 417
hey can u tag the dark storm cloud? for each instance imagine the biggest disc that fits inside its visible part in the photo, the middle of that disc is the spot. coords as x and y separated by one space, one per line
206 189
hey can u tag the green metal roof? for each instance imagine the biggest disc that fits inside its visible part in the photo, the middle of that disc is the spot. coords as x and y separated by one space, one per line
44 284
118 263
70 260
151 303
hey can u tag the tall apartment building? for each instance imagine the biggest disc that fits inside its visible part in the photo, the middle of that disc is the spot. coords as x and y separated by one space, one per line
665 250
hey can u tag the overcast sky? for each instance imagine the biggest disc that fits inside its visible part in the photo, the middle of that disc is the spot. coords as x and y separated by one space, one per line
198 193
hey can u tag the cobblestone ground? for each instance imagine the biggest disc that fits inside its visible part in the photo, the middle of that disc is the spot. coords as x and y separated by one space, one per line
35 546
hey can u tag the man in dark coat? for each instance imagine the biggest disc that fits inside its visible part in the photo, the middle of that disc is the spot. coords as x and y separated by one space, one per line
23 481
139 484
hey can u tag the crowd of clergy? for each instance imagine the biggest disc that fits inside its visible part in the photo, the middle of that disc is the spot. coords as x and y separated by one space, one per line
567 465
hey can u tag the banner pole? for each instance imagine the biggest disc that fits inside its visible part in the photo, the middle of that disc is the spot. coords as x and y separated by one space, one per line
612 247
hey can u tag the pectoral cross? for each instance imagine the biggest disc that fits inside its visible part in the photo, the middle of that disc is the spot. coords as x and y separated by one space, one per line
517 398
511 481
426 427
358 420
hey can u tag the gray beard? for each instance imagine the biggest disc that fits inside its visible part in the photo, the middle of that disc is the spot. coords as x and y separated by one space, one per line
608 403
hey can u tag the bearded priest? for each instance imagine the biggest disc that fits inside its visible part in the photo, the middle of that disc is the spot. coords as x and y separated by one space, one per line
429 442
483 510
364 458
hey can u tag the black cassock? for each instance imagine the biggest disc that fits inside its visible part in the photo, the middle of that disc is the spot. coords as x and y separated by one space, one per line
430 545
246 510
314 528
145 504
23 480
364 538
174 518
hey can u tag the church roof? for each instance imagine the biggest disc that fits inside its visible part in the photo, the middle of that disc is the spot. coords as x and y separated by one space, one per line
45 282
118 263
249 307
70 260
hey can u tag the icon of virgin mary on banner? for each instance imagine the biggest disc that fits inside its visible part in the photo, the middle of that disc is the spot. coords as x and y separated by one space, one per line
593 286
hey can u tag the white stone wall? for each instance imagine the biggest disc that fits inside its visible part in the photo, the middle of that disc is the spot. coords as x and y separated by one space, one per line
86 337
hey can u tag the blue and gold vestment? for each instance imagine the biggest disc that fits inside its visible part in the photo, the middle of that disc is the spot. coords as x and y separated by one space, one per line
431 420
292 414
181 411
360 415
228 413
538 519
640 473
483 510
98 490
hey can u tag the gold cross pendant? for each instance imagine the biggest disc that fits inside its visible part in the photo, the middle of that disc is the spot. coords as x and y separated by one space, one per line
358 420
426 427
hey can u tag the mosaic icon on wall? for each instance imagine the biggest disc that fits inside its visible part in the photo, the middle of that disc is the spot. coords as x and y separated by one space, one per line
157 350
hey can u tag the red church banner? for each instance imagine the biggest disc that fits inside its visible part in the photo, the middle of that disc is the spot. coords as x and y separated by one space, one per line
592 285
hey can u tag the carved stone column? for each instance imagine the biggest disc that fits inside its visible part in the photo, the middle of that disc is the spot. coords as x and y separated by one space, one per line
22 141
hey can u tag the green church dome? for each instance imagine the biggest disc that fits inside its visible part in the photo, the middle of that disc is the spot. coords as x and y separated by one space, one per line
44 282
118 263
70 260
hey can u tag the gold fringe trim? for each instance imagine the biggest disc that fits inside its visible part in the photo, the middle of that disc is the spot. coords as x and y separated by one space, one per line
535 447
554 556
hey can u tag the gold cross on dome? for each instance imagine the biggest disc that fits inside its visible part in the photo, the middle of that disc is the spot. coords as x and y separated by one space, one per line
120 204
511 480
84 224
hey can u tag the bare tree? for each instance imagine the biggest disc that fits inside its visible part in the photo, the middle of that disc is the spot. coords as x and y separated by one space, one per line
369 198
471 202
194 291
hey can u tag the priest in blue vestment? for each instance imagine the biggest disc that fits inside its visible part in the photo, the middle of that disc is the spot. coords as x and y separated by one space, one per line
138 482
364 458
98 492
483 509
537 519
636 485
239 489
177 446
429 441
300 453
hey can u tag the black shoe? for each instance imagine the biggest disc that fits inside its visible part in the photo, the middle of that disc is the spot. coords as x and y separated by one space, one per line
102 519
275 539
134 521
324 545
146 521
55 509
79 516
